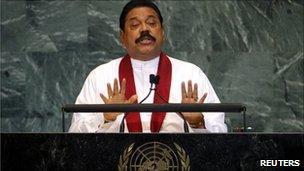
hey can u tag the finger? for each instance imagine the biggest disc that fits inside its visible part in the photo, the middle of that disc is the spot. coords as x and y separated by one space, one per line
110 92
132 99
194 93
184 94
123 87
105 100
115 86
203 98
189 94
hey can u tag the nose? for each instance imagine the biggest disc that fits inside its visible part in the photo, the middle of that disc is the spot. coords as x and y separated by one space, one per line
145 27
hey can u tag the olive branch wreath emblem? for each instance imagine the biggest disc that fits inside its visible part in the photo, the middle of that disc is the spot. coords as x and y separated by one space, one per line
124 158
184 158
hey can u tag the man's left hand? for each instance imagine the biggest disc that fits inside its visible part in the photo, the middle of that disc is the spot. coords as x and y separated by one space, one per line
195 119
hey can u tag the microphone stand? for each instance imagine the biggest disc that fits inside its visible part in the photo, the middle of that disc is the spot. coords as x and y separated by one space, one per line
178 113
122 125
154 80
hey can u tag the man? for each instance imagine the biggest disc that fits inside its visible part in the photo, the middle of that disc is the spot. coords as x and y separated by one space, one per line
142 36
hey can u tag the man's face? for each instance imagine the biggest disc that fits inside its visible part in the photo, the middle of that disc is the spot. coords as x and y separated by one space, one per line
143 34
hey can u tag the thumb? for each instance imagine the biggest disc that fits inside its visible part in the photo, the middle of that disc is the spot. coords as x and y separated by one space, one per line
105 100
203 98
132 99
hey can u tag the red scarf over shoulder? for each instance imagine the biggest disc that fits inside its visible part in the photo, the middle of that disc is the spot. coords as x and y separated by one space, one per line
163 88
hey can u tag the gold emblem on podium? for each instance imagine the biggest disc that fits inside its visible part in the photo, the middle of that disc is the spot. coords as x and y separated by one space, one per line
154 156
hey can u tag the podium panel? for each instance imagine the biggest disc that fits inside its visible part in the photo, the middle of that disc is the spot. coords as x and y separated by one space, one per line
147 151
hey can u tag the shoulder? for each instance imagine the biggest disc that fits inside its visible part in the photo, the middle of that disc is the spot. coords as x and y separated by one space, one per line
109 65
106 68
185 66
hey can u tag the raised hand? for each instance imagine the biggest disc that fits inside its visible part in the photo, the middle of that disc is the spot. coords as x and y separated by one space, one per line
116 96
195 119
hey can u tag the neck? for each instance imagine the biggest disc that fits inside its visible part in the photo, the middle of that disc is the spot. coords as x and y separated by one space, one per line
145 57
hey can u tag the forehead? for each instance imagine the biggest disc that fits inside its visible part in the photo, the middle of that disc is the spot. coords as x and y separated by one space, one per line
141 13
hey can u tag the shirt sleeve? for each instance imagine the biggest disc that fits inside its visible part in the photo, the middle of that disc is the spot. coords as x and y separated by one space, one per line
214 121
87 122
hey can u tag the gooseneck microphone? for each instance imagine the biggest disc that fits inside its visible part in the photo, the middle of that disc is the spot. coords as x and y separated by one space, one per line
154 79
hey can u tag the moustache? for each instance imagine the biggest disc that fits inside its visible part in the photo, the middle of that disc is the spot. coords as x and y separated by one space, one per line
145 35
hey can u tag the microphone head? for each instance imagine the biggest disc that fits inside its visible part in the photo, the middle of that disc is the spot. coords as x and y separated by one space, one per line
152 78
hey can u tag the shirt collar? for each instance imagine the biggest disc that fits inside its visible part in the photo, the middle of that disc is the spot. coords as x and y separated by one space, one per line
149 64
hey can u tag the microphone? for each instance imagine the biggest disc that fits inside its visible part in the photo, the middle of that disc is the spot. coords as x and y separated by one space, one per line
153 80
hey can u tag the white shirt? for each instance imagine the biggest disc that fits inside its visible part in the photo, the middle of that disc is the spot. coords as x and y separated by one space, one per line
181 71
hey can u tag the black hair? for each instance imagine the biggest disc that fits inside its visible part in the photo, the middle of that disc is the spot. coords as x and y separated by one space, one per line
134 4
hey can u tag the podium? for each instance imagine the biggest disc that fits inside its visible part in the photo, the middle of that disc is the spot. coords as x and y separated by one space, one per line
119 151
143 151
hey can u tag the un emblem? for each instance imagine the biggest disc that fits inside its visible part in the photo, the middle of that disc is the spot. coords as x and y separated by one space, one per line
154 156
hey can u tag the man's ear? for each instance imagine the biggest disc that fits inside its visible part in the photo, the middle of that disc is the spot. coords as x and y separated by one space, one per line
122 40
163 32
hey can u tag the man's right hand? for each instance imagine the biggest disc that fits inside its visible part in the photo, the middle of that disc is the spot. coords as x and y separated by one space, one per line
116 96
